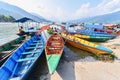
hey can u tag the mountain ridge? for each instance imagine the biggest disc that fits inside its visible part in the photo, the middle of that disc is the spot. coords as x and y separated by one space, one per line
106 18
17 12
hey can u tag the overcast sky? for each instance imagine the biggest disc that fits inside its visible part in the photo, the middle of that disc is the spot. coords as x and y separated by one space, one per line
62 10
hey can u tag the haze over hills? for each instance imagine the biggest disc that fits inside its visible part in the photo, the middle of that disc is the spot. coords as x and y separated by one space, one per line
16 12
106 18
37 15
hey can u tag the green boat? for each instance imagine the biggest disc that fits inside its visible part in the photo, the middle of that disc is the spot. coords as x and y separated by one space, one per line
53 50
7 49
94 38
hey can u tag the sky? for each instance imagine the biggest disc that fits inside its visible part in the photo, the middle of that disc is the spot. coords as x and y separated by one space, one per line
64 10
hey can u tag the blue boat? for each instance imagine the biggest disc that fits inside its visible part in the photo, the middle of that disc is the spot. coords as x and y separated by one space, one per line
20 63
95 33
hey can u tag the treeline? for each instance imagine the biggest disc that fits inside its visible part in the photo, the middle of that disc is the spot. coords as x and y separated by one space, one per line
4 18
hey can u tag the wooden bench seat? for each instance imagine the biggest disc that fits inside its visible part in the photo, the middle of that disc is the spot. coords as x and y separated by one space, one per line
54 48
26 59
16 45
4 52
34 47
31 52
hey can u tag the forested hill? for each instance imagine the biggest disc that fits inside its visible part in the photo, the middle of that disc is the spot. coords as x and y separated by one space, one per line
4 18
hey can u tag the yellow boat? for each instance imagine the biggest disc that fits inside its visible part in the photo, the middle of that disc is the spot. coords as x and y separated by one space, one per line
85 45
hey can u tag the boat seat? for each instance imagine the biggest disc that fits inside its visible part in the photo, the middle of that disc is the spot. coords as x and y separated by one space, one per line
6 51
31 52
32 44
26 59
34 47
16 45
36 41
57 48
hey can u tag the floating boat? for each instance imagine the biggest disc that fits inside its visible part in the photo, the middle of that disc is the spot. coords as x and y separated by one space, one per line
93 38
20 63
92 35
7 49
54 48
85 45
96 34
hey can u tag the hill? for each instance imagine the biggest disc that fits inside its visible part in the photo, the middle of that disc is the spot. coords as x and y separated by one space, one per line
106 18
4 18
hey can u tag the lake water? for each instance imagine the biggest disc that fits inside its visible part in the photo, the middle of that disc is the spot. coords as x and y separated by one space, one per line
8 32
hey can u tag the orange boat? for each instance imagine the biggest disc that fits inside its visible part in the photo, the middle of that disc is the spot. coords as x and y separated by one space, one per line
54 48
85 45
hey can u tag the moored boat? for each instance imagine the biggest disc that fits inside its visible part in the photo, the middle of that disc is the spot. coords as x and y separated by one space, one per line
54 48
93 38
96 34
85 45
7 49
20 63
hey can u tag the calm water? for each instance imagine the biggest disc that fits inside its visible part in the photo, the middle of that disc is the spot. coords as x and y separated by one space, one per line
8 32
40 71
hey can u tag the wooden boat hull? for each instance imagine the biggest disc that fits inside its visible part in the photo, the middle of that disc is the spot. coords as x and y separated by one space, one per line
92 33
20 63
85 45
92 50
7 49
93 38
53 53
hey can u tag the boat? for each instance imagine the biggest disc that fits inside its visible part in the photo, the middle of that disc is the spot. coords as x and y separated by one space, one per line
92 35
85 45
53 50
8 48
93 38
20 63
96 34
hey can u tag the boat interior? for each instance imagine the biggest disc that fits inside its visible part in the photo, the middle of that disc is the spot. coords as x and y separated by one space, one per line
22 60
54 45
9 48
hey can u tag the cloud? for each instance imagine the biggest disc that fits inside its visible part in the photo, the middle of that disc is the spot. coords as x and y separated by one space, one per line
107 6
24 4
56 14
83 10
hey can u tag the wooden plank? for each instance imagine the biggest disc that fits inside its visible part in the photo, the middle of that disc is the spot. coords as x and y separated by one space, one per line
3 52
26 59
31 52
35 44
34 47
36 41
16 45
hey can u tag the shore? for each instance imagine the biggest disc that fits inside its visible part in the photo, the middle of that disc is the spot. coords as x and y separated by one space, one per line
89 68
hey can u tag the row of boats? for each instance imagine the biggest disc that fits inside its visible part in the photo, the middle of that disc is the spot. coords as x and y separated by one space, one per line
93 36
20 63
85 45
